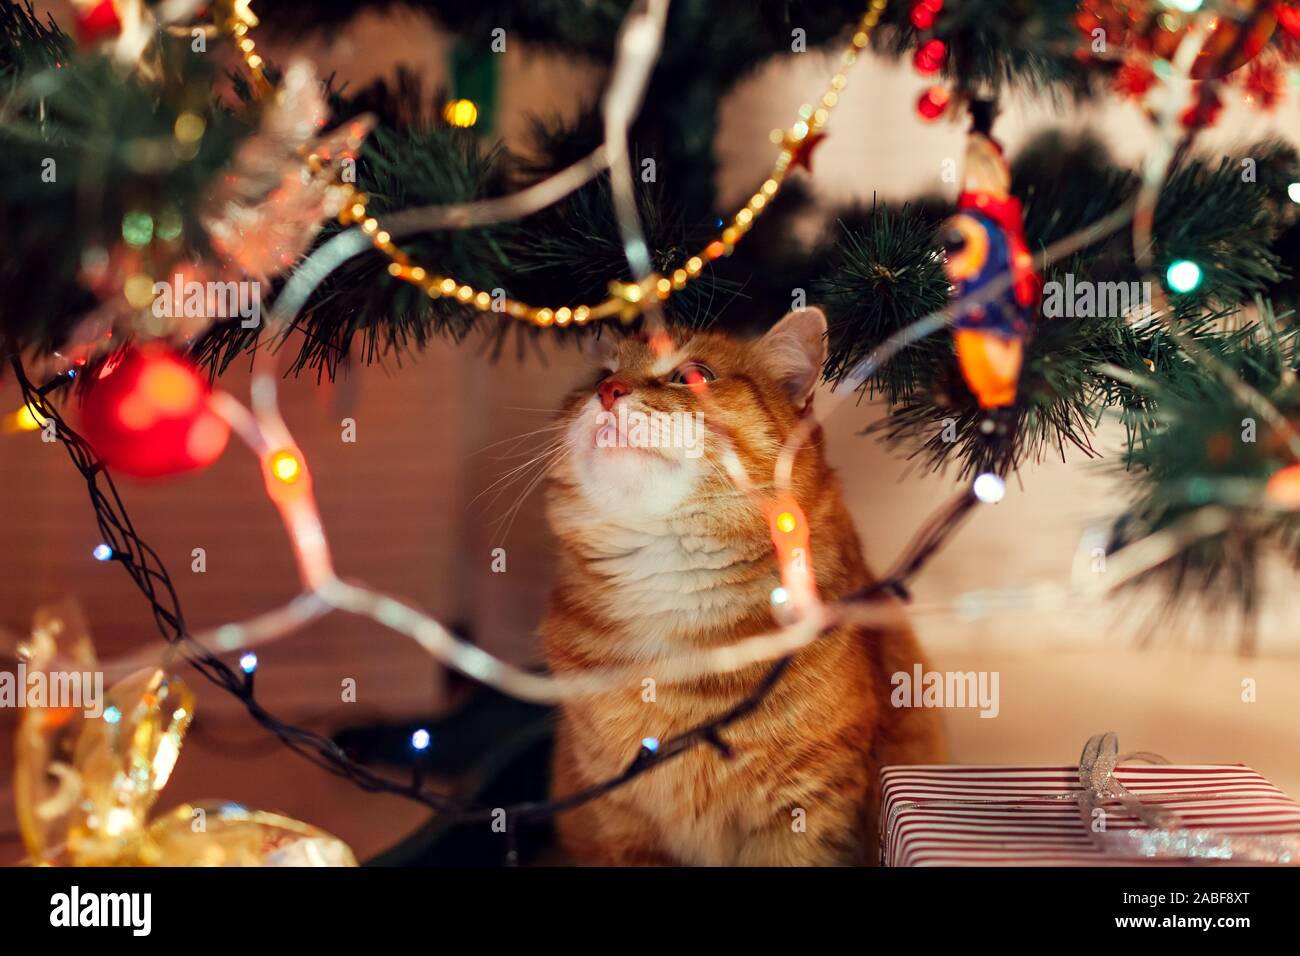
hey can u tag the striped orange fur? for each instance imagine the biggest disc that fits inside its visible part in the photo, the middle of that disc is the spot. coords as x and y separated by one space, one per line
660 553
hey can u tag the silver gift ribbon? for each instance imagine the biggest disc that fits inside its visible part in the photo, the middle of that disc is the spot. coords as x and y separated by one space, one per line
1163 838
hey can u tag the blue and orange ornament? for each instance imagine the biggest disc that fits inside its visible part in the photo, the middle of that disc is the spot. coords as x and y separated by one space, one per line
983 243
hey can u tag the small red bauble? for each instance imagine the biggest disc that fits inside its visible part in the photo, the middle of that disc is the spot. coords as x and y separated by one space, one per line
933 102
929 56
97 21
1288 16
147 415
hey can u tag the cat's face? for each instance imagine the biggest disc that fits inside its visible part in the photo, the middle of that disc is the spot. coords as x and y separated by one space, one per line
645 435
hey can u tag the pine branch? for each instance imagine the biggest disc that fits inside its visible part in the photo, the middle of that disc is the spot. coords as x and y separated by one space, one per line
82 149
27 44
432 164
1205 446
997 45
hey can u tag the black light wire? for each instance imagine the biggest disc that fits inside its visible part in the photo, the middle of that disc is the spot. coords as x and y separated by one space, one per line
151 578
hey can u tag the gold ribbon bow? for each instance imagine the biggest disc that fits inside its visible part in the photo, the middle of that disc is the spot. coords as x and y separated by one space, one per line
89 771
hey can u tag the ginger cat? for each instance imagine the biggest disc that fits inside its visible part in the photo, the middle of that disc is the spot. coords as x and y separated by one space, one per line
661 553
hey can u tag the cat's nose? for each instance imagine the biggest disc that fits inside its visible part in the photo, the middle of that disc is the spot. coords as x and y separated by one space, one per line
611 390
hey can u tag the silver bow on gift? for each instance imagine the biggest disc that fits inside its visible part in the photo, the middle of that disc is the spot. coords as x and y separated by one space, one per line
1165 836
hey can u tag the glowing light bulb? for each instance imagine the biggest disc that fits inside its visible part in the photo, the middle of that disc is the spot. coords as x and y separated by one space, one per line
462 113
23 420
785 522
118 821
650 743
989 488
1293 192
1184 275
285 466
1284 487
248 663
112 715
102 552
421 739
1186 6
780 596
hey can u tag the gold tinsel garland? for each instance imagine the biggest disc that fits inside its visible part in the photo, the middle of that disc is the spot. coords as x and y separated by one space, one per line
627 299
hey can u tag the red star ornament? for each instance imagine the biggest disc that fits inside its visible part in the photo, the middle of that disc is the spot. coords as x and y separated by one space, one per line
801 150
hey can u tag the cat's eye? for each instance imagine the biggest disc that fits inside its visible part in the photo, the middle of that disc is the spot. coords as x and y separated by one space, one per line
692 373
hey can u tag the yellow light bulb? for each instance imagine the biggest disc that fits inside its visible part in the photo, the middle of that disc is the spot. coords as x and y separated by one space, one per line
785 522
285 466
23 420
462 113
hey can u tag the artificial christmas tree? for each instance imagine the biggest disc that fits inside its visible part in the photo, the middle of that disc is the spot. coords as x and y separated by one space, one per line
372 221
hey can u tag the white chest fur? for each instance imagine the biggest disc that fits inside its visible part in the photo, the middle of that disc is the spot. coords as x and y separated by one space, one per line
668 584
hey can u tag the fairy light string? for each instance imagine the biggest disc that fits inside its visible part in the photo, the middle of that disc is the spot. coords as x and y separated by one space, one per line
238 19
152 579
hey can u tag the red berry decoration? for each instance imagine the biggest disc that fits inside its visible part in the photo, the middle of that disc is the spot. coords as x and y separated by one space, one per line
1134 79
929 56
1264 84
933 102
1205 109
147 415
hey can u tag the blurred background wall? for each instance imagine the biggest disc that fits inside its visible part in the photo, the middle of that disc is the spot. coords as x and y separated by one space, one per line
400 511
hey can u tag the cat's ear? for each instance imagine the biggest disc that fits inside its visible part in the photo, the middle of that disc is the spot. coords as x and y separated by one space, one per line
795 351
601 349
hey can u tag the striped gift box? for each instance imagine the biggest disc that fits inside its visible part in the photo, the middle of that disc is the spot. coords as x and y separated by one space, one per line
946 815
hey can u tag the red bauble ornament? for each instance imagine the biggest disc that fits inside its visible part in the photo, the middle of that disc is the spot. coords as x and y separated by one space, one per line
929 56
97 20
146 414
1288 16
933 102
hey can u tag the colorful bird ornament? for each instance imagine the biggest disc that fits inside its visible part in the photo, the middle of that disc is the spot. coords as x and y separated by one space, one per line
984 244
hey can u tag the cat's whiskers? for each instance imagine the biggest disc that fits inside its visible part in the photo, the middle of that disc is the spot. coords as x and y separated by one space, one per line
548 465
519 439
514 474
